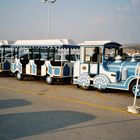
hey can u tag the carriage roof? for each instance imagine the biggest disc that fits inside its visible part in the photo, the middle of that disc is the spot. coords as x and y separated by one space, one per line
106 44
3 42
53 43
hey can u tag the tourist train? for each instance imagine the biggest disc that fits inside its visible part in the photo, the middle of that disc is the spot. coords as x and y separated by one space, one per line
96 64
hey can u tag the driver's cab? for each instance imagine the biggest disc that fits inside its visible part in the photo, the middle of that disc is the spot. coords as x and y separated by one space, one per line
95 56
112 52
90 57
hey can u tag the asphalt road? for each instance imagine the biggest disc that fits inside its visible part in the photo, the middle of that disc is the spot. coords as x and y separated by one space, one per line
32 110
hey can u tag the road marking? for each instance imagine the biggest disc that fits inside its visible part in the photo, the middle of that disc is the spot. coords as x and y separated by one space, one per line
70 100
99 95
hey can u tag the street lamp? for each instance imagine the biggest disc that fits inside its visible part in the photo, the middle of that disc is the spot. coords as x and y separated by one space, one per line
49 2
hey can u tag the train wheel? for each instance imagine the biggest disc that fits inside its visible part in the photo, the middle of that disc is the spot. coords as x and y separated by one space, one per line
84 81
19 76
132 89
49 80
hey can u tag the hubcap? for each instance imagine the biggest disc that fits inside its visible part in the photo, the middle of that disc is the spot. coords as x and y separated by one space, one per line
48 79
18 76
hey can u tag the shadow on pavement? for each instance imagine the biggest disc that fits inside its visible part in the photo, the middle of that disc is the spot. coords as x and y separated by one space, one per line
97 124
33 123
13 103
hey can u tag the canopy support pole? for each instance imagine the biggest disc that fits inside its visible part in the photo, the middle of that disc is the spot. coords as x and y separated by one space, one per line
135 109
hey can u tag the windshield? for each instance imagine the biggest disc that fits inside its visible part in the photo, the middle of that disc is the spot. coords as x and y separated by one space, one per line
112 53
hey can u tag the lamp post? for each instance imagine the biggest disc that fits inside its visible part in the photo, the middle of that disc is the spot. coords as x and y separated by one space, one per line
49 2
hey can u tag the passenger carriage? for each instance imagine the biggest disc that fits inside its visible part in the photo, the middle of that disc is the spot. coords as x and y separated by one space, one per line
5 58
103 65
41 60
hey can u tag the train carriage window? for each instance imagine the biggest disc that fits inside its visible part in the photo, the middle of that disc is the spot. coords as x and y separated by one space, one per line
70 57
88 54
93 54
57 57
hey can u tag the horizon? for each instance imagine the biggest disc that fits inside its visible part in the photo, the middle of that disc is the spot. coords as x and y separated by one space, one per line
88 20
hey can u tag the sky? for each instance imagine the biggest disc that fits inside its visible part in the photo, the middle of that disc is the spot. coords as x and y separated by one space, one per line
80 20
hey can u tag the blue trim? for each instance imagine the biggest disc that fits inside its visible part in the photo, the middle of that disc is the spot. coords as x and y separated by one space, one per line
56 71
20 67
124 85
66 70
49 69
34 69
13 67
112 45
6 65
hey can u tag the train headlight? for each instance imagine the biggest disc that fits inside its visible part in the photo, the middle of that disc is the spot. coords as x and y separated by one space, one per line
84 68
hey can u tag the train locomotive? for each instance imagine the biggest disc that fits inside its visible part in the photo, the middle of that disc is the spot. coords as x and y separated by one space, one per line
103 65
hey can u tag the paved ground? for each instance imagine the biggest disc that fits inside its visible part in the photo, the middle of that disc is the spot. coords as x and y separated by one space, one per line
32 110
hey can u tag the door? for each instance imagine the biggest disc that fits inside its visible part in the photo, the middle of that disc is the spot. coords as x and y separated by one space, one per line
96 61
